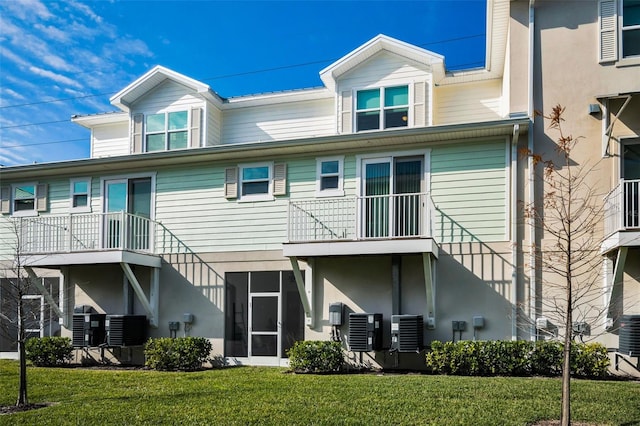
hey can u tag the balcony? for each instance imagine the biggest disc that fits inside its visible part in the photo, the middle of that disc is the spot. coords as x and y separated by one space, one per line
622 216
92 238
376 224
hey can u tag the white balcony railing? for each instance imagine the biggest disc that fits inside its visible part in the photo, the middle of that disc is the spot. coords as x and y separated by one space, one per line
361 218
622 207
86 232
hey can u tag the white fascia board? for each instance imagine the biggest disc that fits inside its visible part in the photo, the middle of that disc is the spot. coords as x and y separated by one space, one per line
90 121
278 98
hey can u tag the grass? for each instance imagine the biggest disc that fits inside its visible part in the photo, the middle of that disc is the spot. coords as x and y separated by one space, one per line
253 395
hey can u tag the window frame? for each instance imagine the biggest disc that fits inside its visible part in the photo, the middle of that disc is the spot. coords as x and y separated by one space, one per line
331 192
29 212
269 179
382 108
166 131
72 194
622 30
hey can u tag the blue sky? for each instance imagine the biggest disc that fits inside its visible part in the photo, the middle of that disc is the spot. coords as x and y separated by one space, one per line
59 59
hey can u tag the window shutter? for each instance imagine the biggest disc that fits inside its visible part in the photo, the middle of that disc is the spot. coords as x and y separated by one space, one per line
196 118
231 182
5 199
608 20
280 179
41 197
346 112
137 133
419 104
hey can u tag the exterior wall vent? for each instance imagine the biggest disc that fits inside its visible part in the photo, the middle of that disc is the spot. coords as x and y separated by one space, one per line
407 333
126 330
88 330
630 335
365 332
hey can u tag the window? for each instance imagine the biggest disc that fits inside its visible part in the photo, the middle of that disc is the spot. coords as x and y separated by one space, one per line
382 108
166 131
23 199
80 195
329 177
255 182
630 28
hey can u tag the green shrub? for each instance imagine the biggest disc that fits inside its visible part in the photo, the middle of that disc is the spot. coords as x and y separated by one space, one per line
315 356
181 353
49 351
515 358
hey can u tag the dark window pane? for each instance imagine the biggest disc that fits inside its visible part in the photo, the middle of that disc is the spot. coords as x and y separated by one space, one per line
292 313
265 282
397 117
329 182
630 43
79 201
249 188
368 120
264 345
236 314
330 166
264 313
177 140
631 13
23 205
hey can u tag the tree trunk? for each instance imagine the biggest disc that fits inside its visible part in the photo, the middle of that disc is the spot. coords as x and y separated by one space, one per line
22 392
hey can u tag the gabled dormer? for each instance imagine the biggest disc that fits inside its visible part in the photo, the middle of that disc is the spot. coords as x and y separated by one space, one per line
384 84
169 111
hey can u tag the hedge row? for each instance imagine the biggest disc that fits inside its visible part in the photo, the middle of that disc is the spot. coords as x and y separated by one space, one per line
316 356
181 353
516 358
49 351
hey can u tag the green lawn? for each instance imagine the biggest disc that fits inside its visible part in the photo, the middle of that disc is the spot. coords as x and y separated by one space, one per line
247 395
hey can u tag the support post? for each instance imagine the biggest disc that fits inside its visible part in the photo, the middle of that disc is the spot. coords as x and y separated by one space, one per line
396 262
304 297
429 283
153 319
616 285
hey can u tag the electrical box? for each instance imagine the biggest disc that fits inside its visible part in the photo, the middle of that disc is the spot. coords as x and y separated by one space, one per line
365 332
478 322
581 329
174 325
459 325
407 333
542 323
187 318
336 313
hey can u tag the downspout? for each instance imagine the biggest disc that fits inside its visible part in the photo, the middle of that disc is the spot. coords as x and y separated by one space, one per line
532 192
514 232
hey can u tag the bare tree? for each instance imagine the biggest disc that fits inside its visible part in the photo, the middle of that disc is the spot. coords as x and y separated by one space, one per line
570 218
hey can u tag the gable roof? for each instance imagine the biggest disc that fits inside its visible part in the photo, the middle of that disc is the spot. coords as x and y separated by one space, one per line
379 43
154 77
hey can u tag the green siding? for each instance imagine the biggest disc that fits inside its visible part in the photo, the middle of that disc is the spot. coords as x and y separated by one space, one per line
470 189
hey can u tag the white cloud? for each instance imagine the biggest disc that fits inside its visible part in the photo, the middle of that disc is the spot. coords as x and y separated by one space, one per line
53 33
28 10
13 94
87 11
59 78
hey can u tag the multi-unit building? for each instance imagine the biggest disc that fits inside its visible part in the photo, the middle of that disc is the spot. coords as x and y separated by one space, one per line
395 189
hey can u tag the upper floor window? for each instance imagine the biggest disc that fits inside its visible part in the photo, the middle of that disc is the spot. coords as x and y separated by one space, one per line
330 176
80 190
630 28
166 131
23 199
382 108
255 180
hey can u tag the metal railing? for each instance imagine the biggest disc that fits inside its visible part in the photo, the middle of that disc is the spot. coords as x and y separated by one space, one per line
86 232
360 218
622 207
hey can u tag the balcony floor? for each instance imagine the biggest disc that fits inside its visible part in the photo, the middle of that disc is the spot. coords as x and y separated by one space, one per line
92 258
351 248
621 239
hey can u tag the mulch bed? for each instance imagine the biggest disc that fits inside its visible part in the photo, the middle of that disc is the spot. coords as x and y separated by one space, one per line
11 409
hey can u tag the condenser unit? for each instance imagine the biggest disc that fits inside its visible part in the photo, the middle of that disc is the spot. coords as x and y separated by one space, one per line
407 333
126 330
365 332
88 329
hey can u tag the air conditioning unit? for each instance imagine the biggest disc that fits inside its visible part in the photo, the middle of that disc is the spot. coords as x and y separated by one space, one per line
88 330
407 333
365 332
126 330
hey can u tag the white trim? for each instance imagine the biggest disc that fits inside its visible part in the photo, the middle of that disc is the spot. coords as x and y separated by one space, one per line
81 209
334 192
256 197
